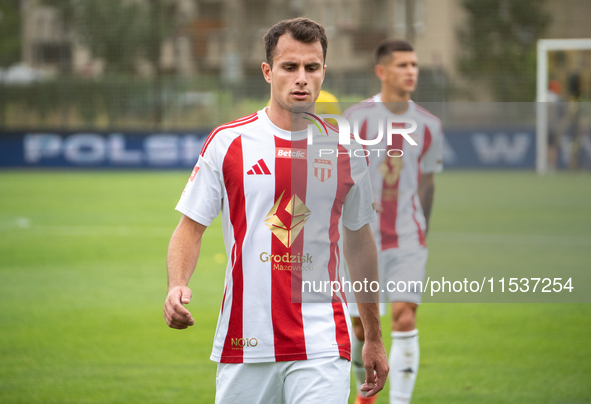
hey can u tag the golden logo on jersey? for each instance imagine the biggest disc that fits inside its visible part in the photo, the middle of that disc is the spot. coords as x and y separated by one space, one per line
240 343
390 169
299 216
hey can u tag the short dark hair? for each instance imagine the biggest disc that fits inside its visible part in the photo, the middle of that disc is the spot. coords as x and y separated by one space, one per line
301 29
388 46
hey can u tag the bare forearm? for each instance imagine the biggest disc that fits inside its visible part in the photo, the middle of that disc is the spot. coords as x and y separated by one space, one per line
370 318
361 255
183 252
362 258
426 195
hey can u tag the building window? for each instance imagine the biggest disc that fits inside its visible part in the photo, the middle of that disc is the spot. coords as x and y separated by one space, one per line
420 13
45 53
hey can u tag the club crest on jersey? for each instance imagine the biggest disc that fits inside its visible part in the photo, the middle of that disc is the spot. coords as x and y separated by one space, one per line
299 213
322 169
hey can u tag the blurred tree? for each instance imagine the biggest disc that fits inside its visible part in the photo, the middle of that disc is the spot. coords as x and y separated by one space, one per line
119 32
499 45
10 32
114 30
161 25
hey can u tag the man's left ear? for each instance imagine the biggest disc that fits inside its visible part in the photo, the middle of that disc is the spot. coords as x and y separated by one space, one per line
264 67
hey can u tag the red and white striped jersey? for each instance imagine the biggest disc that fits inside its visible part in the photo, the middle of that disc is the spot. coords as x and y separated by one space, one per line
283 208
395 180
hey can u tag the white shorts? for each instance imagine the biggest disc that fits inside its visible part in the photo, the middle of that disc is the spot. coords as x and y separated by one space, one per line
401 270
312 381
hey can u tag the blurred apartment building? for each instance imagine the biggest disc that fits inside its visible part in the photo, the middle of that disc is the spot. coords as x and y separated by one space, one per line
225 36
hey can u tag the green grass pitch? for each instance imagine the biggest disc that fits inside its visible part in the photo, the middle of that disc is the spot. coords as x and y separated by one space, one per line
83 281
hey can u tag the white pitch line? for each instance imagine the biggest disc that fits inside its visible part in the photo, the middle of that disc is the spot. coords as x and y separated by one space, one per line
96 231
118 231
15 222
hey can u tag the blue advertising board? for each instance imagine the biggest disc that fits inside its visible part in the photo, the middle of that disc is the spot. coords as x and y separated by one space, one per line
100 149
488 147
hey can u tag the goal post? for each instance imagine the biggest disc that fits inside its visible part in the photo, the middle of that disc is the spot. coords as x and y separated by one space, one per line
545 46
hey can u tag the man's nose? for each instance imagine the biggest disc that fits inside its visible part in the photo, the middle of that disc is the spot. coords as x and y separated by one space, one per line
301 79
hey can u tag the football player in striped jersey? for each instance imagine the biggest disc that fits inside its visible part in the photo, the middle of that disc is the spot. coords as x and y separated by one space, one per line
403 186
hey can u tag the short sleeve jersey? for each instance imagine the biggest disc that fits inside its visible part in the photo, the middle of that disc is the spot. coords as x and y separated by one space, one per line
395 179
282 209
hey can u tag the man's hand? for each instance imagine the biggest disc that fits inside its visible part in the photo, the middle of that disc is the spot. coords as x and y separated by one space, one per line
376 367
378 206
183 253
175 314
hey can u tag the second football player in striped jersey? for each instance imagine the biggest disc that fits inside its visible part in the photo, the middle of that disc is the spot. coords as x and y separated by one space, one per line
403 187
